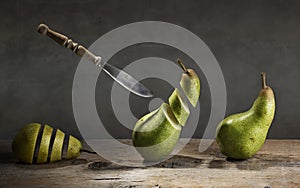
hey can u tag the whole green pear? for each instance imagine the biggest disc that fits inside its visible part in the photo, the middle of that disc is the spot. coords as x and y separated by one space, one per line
241 135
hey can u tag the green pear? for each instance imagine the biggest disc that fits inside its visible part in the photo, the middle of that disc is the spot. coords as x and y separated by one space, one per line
190 83
179 107
241 135
32 144
155 134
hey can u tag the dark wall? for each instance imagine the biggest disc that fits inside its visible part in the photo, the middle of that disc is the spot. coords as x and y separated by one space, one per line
246 37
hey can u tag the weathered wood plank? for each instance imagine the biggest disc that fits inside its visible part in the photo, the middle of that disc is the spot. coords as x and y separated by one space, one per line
276 165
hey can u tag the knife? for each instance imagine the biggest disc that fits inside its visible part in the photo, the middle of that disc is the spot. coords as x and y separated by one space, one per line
123 78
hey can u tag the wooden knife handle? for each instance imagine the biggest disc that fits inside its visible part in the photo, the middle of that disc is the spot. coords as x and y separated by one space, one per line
68 43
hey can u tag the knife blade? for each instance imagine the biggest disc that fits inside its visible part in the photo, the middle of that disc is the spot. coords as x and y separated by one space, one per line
127 81
120 76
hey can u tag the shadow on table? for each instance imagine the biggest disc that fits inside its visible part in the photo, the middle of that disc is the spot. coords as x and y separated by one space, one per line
7 157
256 163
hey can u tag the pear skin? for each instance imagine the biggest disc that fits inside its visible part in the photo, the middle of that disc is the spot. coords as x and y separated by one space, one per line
241 135
155 134
24 142
190 84
44 145
179 107
56 153
74 147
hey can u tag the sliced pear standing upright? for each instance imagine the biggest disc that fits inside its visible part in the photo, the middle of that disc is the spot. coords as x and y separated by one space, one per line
179 107
155 134
190 83
241 135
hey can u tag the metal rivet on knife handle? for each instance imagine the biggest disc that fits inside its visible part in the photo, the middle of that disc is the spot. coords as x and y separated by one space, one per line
68 43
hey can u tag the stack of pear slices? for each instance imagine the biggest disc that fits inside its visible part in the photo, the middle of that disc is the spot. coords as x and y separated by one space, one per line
156 134
35 143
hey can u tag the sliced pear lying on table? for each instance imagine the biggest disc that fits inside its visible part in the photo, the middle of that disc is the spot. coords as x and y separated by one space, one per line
190 83
155 134
35 143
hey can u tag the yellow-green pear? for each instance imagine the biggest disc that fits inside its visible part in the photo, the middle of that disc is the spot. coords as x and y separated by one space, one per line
241 135
190 83
179 107
155 134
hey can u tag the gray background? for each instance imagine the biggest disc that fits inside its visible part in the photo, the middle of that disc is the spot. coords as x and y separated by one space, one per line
246 37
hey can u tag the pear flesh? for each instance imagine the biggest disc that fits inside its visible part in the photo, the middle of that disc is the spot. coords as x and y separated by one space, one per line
241 135
179 107
155 134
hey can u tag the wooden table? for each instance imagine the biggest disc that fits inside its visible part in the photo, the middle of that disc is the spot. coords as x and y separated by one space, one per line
277 164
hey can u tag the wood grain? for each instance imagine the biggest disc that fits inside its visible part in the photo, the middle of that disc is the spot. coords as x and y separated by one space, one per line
277 164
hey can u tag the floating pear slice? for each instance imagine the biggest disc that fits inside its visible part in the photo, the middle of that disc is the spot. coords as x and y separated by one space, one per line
56 151
190 83
44 145
179 107
24 142
74 147
155 134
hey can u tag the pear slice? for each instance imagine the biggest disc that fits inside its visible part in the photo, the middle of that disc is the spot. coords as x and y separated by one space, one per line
74 147
24 142
179 107
56 151
190 83
155 134
44 145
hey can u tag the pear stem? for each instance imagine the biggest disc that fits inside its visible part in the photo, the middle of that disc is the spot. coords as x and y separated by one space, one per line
263 78
182 65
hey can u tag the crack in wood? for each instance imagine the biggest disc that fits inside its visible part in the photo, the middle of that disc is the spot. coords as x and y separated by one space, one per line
110 179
